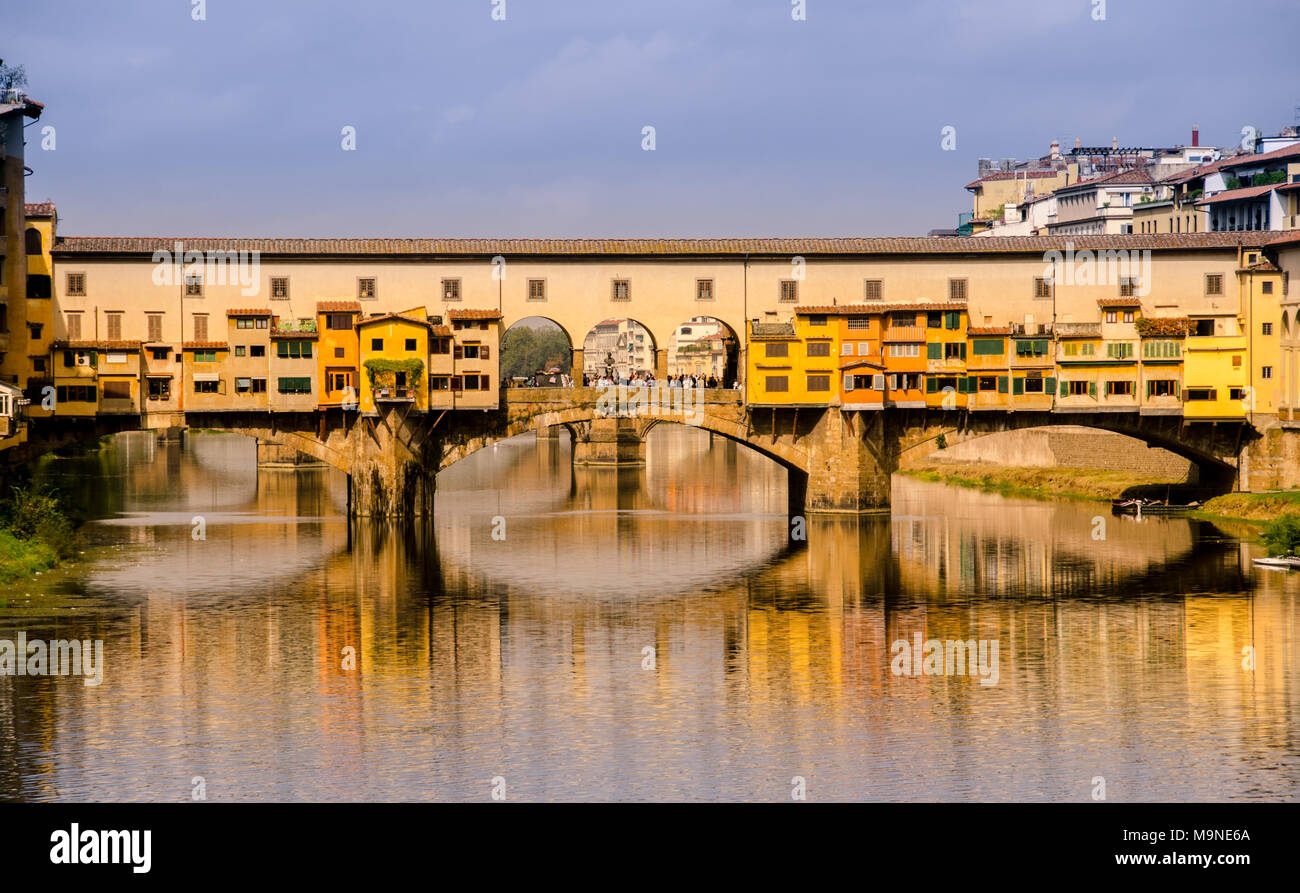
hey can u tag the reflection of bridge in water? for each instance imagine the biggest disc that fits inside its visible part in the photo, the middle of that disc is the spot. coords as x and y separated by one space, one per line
470 647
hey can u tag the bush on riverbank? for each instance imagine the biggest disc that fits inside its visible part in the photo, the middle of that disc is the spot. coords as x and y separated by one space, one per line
35 533
1282 537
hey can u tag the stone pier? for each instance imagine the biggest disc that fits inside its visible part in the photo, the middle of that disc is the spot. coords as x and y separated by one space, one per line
608 441
394 464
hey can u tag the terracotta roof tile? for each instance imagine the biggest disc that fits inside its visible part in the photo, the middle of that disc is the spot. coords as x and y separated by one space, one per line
82 344
249 311
205 345
1231 195
384 317
444 331
473 314
867 309
1119 302
39 209
988 330
1014 175
338 306
79 246
1292 151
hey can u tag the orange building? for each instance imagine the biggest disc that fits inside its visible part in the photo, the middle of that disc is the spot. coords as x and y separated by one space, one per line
339 356
862 365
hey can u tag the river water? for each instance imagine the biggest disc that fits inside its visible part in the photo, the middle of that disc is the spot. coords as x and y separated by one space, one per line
562 633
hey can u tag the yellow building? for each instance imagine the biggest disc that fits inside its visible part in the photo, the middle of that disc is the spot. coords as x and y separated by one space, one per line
39 238
76 378
207 384
249 336
394 349
794 363
1261 285
945 353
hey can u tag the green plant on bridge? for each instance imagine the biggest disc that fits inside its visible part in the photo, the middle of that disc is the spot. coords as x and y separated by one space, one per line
383 373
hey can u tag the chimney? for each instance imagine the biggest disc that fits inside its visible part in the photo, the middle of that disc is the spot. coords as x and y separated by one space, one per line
1077 142
1114 143
1196 136
1056 150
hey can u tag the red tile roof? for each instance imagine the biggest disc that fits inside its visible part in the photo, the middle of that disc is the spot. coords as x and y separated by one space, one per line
861 309
1130 176
988 330
1119 302
247 311
473 314
1232 195
437 248
1264 266
81 344
39 209
1292 151
205 345
338 307
444 331
384 317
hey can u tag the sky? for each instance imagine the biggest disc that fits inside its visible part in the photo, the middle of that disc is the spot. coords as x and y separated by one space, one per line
533 126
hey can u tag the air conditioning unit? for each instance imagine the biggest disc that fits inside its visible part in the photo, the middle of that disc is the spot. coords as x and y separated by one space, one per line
83 359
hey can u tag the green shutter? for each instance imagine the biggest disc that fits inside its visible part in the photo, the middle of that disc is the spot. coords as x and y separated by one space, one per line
952 319
1017 386
1092 389
931 384
306 350
934 351
1002 384
1065 388
1049 385
963 351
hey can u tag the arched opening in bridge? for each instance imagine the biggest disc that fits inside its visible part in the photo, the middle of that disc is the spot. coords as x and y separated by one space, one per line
621 349
536 352
706 350
1095 455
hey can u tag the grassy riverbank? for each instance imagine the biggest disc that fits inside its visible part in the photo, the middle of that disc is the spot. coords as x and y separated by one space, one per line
35 533
1040 483
1101 485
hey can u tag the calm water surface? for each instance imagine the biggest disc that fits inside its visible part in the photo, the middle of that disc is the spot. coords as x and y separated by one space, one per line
523 657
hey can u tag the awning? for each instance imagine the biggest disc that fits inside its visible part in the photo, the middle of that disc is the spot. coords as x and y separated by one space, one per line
159 375
207 376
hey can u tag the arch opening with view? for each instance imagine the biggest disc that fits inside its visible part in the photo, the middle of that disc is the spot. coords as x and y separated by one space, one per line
536 352
620 349
706 351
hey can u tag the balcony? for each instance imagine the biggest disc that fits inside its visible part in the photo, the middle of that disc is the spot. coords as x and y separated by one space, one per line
1078 329
394 395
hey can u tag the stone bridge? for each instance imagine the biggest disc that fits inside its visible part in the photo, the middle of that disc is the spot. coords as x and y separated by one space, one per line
837 460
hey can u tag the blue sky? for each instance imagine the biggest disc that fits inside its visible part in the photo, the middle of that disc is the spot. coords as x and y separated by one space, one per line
532 126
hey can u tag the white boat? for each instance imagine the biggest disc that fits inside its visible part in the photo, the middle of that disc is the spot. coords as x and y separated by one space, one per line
1288 563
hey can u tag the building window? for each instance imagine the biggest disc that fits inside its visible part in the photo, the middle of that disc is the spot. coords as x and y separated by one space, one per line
1161 387
1213 286
207 387
819 382
76 284
957 290
410 344
280 287
154 324
872 289
789 290
1077 388
338 321
1266 288
819 348
113 326
1127 286
1266 329
34 330
469 351
193 285
1128 316
239 350
1111 316
704 289
537 289
777 384
257 350
1199 394
776 349
295 385
1265 371
338 380
904 350
205 356
201 327
620 290
1041 288
1119 389
376 343
451 289
293 350
159 353
439 345
367 289
160 388
74 326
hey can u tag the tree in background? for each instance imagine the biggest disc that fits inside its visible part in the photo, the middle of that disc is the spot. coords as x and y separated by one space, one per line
525 350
